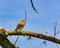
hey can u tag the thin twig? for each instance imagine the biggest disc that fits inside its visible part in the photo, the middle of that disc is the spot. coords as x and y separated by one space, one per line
16 40
33 6
55 25
57 45
58 32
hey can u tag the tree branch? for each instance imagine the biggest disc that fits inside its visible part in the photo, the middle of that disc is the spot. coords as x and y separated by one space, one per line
33 34
5 43
33 6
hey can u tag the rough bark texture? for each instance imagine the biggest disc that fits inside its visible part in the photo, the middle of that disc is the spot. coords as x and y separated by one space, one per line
5 43
36 35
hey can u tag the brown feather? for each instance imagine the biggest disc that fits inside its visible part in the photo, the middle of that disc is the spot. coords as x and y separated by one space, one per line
20 25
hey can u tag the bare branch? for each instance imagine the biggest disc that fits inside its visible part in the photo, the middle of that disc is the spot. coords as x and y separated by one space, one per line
58 32
5 43
33 34
57 45
33 6
55 25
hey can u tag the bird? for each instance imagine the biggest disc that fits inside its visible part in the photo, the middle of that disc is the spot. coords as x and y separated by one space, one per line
20 25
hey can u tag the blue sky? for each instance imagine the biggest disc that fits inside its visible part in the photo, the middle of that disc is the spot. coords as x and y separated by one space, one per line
11 11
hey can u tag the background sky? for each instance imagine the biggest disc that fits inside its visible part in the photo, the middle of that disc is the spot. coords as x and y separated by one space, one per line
12 11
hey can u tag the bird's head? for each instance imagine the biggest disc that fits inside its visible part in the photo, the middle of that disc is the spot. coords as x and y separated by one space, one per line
22 22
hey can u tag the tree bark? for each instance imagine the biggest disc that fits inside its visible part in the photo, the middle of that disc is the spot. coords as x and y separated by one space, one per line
5 43
33 34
